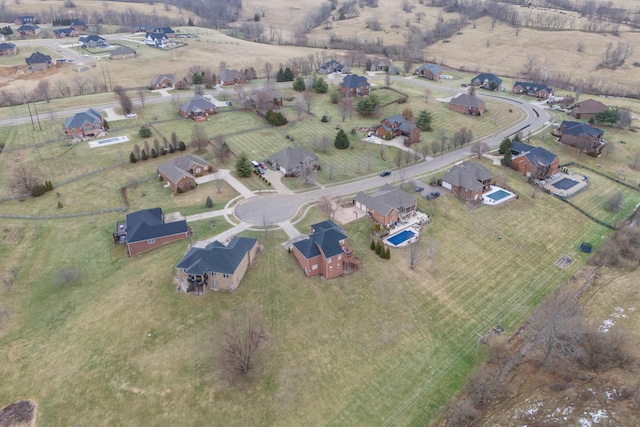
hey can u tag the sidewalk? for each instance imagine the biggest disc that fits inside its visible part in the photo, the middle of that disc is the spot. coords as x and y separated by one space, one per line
291 231
226 175
224 236
275 178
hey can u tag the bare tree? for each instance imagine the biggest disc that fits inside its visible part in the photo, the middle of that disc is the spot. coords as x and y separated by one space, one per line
347 107
414 255
199 138
125 103
141 95
479 148
268 69
241 345
326 206
615 202
531 65
63 88
218 181
43 90
307 96
221 150
307 173
80 84
25 177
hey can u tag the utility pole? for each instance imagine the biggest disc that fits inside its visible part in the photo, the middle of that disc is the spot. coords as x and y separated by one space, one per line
37 117
30 115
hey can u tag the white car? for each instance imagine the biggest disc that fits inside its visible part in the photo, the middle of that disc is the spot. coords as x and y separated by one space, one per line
131 116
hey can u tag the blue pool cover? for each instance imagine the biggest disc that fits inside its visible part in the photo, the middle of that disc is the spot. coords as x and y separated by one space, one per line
401 237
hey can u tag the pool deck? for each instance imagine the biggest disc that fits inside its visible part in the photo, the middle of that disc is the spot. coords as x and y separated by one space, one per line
489 201
582 184
415 223
113 140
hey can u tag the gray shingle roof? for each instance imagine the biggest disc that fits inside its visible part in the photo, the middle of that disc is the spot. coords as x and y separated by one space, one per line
122 50
229 75
92 38
431 67
486 77
326 237
38 58
79 119
290 158
216 257
468 175
578 128
7 46
353 81
386 199
160 77
176 169
402 124
66 31
466 100
28 28
197 104
532 87
148 224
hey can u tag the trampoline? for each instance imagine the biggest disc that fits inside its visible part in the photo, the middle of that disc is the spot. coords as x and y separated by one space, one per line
565 184
401 237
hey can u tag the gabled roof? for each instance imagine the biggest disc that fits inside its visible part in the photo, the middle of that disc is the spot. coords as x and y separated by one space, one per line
488 77
290 158
381 62
216 257
164 30
122 50
265 93
79 119
227 75
77 21
386 199
579 128
535 155
26 18
332 64
533 87
66 31
466 100
157 36
148 224
589 106
92 38
6 46
160 77
38 58
28 28
178 168
326 237
197 104
468 175
403 124
431 67
353 81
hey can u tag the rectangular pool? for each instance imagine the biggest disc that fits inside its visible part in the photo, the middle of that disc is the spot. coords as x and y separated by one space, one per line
498 195
401 237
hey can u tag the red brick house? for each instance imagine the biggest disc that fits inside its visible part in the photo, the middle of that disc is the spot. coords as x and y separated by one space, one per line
581 136
352 85
64 32
7 49
388 205
28 30
217 266
398 126
428 71
265 99
538 90
467 104
87 124
230 77
587 109
198 109
468 180
291 161
325 251
181 172
534 162
163 81
145 230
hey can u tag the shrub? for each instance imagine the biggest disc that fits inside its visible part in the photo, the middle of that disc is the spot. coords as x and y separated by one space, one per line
275 118
38 190
378 247
133 158
145 132
172 148
373 245
182 146
144 155
153 153
179 190
59 204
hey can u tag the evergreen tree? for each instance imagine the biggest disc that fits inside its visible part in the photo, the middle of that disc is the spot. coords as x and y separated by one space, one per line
105 124
172 148
144 155
342 140
505 146
280 75
373 245
133 158
299 85
378 247
209 202
424 121
145 132
154 154
288 75
182 146
506 159
243 166
335 96
320 85
190 22
366 106
388 255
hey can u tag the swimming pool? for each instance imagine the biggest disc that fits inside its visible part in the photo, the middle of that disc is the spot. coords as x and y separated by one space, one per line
401 237
565 184
498 195
108 141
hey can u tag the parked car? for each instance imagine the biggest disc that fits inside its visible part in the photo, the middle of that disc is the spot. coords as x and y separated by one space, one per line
229 103
131 116
85 56
385 173
263 165
419 188
464 84
433 195
260 170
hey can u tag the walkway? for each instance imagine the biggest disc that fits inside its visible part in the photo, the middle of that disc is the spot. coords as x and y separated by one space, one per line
397 142
224 236
275 178
226 175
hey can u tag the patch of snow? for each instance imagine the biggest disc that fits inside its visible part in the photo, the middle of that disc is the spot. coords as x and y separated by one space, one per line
596 417
611 394
584 422
534 409
618 312
606 325
631 309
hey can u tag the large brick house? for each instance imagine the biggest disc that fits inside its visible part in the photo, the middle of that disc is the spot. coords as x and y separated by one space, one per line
122 52
538 90
26 19
216 266
387 205
468 180
7 49
354 84
28 30
164 81
180 173
428 71
325 251
587 109
86 124
198 109
144 230
93 40
487 81
38 61
398 126
467 104
290 161
333 66
64 32
534 162
582 136
228 77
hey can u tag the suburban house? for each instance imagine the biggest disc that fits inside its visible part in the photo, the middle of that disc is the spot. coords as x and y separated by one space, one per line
587 109
398 126
180 173
468 180
538 90
354 84
86 124
428 71
168 31
28 30
290 161
467 104
230 77
38 62
216 266
383 64
64 32
146 229
78 24
326 251
93 40
7 49
387 205
122 52
582 136
487 81
266 98
156 40
333 66
534 162
27 19
198 109
162 81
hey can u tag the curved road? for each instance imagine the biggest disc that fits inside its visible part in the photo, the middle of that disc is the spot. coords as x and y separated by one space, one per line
276 208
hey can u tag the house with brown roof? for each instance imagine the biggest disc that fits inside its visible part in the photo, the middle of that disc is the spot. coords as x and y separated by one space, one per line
533 162
325 252
387 205
290 161
398 126
353 84
180 173
468 180
467 104
164 81
587 109
217 266
538 90
428 71
230 77
582 136
266 98
122 52
144 230
198 109
8 49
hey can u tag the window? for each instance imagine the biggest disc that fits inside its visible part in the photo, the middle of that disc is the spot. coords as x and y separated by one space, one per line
338 266
314 267
330 268
329 261
151 241
213 274
225 275
339 257
198 170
